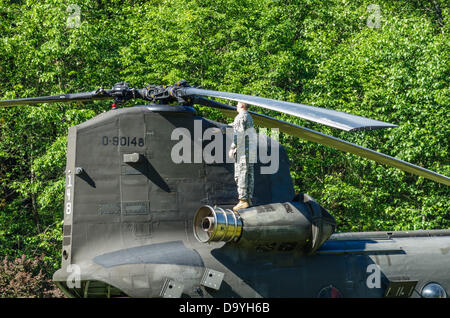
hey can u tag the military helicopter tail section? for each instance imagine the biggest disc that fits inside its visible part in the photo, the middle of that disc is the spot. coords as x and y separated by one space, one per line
129 205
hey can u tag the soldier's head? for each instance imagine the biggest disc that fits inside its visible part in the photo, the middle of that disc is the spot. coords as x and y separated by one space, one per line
241 107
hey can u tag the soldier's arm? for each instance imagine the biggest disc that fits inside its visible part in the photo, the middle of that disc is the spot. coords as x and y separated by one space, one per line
239 127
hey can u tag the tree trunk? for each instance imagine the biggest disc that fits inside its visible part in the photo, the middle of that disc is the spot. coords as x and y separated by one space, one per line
33 195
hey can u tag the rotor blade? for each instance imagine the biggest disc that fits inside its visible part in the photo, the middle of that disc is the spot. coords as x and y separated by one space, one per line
323 116
86 96
336 143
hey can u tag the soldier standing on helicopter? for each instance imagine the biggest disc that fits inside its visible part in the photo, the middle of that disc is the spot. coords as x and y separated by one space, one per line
240 150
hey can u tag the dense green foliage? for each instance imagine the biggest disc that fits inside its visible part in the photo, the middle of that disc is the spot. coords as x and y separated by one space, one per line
389 62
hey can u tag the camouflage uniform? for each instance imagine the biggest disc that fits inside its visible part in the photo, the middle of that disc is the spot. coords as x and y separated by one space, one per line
243 164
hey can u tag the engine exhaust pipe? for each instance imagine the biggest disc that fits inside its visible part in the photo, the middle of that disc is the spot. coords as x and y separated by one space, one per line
217 225
301 225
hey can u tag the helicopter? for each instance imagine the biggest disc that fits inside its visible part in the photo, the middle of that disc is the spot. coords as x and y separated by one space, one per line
138 224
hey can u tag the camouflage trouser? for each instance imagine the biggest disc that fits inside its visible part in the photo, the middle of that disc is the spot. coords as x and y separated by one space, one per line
243 175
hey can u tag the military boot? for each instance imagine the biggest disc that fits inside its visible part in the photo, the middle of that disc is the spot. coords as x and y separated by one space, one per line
243 204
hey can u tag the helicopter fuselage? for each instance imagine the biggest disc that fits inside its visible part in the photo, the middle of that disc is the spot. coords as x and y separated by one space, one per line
129 210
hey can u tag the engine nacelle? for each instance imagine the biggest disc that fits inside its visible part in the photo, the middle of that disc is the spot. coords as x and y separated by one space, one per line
294 225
